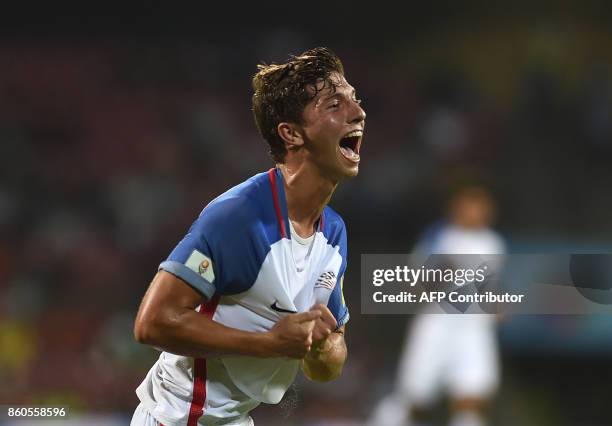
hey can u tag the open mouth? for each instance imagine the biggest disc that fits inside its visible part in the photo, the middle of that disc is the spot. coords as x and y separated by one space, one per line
350 144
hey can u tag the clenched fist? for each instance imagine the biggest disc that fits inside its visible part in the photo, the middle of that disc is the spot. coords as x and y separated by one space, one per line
292 336
324 325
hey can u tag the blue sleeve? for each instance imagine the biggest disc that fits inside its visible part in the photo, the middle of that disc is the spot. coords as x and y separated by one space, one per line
223 250
192 260
336 303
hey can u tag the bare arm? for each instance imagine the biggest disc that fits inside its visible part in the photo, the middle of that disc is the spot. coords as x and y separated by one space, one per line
325 360
167 320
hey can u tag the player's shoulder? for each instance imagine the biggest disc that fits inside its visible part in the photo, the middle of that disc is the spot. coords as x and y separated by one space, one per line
240 207
334 227
244 200
435 230
333 218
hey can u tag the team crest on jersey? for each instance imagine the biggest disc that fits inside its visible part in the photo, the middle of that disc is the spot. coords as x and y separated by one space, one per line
326 280
202 265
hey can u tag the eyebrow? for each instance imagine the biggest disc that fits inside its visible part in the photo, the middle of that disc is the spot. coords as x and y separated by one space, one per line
336 95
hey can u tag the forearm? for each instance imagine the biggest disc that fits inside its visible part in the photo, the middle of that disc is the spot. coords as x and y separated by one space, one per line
167 319
324 362
190 333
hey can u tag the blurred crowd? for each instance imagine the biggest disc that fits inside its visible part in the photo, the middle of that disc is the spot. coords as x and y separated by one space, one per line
109 150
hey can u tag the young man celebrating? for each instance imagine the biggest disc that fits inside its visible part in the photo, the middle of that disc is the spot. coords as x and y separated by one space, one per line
254 290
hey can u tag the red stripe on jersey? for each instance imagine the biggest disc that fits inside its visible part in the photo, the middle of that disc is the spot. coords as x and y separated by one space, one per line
199 372
279 214
321 222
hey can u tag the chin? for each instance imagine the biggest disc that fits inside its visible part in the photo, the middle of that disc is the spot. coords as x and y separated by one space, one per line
351 172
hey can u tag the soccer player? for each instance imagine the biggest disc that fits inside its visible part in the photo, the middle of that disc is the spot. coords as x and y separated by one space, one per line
456 355
253 292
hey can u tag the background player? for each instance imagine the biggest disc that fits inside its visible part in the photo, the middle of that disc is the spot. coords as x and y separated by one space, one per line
232 306
452 354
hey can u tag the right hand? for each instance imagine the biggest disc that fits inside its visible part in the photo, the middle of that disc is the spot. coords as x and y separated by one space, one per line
324 326
292 335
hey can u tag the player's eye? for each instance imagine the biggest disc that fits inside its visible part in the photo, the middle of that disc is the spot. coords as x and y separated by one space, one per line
334 104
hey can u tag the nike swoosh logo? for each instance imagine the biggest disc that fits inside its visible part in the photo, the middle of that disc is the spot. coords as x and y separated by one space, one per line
277 309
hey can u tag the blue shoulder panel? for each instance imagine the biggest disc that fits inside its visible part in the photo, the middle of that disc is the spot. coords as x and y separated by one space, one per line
233 233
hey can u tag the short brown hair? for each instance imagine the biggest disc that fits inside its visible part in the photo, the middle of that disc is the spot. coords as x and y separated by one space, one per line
281 91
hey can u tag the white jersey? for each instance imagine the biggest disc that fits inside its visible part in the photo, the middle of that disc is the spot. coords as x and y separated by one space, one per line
240 255
452 239
456 353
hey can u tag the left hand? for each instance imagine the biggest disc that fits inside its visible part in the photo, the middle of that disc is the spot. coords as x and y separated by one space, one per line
324 325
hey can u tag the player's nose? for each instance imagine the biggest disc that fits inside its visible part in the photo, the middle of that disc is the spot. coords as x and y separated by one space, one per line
357 113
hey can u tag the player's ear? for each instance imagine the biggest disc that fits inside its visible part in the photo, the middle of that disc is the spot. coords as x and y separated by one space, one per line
290 134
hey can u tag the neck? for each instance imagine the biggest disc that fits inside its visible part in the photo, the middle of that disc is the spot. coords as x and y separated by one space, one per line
307 193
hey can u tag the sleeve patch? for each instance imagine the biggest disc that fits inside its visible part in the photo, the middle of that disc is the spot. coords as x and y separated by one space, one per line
202 265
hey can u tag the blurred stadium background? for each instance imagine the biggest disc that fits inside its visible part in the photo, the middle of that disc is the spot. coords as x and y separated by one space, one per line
115 130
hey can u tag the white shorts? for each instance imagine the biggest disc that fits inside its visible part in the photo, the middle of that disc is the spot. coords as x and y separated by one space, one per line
143 417
456 354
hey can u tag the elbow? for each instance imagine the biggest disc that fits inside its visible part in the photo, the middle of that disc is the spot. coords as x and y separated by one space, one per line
144 331
149 330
